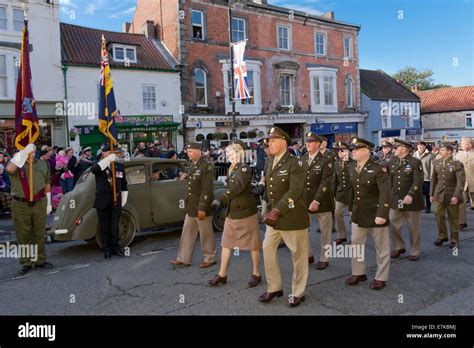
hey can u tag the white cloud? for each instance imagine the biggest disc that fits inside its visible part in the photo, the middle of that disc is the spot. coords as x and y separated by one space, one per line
123 13
303 6
90 9
67 3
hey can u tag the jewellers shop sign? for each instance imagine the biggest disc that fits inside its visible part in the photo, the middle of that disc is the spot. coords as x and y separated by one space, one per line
144 120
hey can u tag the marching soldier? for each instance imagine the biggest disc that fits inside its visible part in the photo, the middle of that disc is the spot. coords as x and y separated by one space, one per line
387 155
342 188
406 178
466 157
324 150
319 171
287 219
29 218
109 212
369 204
426 159
446 188
198 218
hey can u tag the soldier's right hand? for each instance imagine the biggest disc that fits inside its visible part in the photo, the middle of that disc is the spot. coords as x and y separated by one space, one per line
112 157
380 221
272 217
201 215
431 199
29 148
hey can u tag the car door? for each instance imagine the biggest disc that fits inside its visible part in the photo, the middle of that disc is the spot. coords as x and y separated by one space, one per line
168 193
139 194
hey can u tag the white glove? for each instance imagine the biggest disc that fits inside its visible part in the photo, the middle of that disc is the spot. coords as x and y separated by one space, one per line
21 156
124 197
216 203
106 161
49 207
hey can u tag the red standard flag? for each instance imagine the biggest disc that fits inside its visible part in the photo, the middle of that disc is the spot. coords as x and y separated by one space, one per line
26 119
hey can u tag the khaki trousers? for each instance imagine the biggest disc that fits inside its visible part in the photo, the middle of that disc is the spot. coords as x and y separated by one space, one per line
413 221
191 228
468 197
296 241
341 225
453 219
325 225
381 238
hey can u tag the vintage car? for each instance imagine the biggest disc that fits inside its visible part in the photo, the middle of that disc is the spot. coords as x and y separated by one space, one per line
156 201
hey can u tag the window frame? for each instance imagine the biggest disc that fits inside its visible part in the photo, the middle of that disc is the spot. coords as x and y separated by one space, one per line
124 48
325 42
290 90
206 104
4 18
129 177
16 20
146 99
351 49
5 77
288 38
349 83
202 25
322 73
471 117
245 30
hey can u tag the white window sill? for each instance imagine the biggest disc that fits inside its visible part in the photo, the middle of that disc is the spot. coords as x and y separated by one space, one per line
323 108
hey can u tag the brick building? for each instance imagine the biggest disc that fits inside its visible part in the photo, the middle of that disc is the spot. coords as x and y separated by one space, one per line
303 70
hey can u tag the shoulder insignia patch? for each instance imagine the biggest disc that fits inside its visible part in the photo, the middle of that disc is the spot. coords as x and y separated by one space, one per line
329 165
385 205
244 169
300 163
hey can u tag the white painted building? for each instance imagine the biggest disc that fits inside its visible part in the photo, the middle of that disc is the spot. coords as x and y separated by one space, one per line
45 57
145 81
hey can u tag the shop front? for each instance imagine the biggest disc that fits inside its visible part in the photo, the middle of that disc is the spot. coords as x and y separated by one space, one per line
342 131
132 130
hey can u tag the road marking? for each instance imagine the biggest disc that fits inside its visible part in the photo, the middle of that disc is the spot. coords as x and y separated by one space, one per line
46 273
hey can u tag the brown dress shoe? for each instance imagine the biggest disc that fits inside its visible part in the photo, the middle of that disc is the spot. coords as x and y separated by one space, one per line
439 241
295 301
413 257
206 264
217 280
268 296
340 241
454 245
254 281
321 265
178 263
311 259
396 253
355 279
377 284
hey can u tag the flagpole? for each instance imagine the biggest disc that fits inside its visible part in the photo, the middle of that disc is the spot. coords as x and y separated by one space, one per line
232 75
114 189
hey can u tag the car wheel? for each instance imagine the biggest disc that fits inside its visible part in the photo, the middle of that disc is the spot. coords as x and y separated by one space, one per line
127 229
219 218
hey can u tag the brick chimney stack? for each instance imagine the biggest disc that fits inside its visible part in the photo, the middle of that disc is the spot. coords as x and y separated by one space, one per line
149 29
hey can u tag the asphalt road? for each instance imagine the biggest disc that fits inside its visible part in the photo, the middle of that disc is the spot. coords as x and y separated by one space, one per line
84 283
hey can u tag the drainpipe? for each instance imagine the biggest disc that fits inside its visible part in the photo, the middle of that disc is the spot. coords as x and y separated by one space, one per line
65 106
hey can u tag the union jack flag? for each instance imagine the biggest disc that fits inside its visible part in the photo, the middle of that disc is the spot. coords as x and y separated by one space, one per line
240 71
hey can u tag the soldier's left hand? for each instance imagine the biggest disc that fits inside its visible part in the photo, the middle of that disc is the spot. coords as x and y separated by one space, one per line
314 206
201 215
408 200
454 201
380 221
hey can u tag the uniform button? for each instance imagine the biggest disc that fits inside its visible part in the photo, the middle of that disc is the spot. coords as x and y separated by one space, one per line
399 183
190 194
358 198
357 185
271 185
271 179
358 192
307 189
271 193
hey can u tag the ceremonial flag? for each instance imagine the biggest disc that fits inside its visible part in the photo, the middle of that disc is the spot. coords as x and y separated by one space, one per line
107 107
26 120
240 71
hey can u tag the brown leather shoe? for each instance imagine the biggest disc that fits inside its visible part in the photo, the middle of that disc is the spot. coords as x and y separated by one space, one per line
295 301
355 279
462 226
454 245
254 281
340 241
413 258
206 264
268 296
439 241
321 265
311 259
396 253
178 263
217 280
377 284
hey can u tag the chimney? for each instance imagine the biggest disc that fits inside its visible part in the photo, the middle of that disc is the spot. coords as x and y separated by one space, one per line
126 27
149 29
329 15
414 88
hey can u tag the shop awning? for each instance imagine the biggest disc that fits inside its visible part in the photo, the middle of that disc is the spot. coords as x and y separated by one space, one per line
133 127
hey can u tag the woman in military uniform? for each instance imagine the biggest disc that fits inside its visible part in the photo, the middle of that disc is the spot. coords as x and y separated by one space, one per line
241 227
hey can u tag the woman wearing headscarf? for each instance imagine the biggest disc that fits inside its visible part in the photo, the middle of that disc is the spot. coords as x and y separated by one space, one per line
241 227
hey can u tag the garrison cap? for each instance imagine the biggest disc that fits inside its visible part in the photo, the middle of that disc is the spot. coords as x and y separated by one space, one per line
386 143
447 145
195 146
341 145
310 136
401 142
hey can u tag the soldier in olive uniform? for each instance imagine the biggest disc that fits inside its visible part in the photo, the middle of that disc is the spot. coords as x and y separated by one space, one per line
333 157
406 178
446 188
342 188
241 227
287 218
369 204
319 198
29 217
387 155
198 218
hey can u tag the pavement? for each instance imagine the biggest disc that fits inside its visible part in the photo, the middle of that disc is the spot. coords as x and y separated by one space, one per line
84 283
